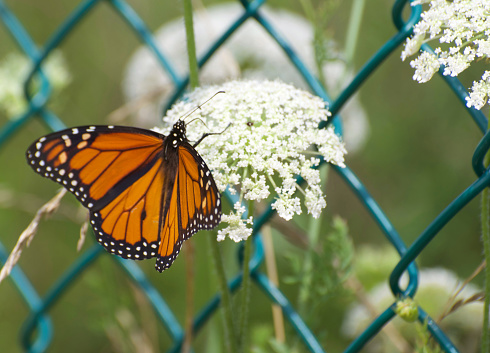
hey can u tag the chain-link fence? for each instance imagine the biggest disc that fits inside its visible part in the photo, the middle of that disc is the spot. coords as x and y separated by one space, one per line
38 330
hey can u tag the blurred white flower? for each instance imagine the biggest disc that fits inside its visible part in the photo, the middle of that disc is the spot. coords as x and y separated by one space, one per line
273 130
14 69
250 53
463 29
436 287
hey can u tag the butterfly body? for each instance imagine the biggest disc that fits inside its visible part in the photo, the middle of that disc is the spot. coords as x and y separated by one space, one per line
146 192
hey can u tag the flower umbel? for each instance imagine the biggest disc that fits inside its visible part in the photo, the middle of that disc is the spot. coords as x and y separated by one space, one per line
270 140
463 29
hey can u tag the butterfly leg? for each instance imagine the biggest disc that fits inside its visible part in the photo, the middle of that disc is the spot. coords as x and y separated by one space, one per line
208 134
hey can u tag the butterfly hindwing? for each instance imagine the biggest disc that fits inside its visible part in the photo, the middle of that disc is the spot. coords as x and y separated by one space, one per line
130 225
195 204
200 201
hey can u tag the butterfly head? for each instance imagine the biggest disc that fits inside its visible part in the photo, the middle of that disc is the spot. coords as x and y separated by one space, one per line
177 135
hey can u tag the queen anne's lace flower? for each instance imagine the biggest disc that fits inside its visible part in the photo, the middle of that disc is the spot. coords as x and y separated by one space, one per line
463 28
273 129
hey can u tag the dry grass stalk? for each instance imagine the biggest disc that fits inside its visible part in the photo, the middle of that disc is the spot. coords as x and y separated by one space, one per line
83 235
29 233
452 305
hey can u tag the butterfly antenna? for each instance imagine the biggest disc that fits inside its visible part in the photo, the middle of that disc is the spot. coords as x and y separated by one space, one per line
195 120
199 107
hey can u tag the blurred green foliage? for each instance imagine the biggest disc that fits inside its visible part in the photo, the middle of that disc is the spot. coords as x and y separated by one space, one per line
417 159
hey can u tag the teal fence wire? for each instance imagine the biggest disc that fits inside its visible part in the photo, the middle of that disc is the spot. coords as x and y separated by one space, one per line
38 330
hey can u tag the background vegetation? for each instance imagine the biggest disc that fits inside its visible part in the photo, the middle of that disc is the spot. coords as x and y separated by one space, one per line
417 159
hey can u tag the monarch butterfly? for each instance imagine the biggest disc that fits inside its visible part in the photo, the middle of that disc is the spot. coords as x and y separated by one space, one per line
147 193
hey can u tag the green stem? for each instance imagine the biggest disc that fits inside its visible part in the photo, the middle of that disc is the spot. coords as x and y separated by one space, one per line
307 278
471 41
318 37
309 10
313 235
485 228
246 286
228 326
191 44
353 30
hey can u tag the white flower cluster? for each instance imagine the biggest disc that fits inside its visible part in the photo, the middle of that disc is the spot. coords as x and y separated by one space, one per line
14 69
462 26
270 140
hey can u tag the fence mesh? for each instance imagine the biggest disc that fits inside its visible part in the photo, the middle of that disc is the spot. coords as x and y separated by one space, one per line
38 330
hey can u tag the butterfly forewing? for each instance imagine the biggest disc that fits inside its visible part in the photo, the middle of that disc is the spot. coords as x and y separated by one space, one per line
91 161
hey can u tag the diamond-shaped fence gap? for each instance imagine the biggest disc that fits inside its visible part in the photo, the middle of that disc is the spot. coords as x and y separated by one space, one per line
250 10
83 24
312 81
145 36
23 39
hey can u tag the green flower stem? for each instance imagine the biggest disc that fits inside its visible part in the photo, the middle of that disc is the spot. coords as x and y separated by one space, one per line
485 229
307 278
246 286
313 235
353 30
318 36
194 82
228 325
191 44
189 298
